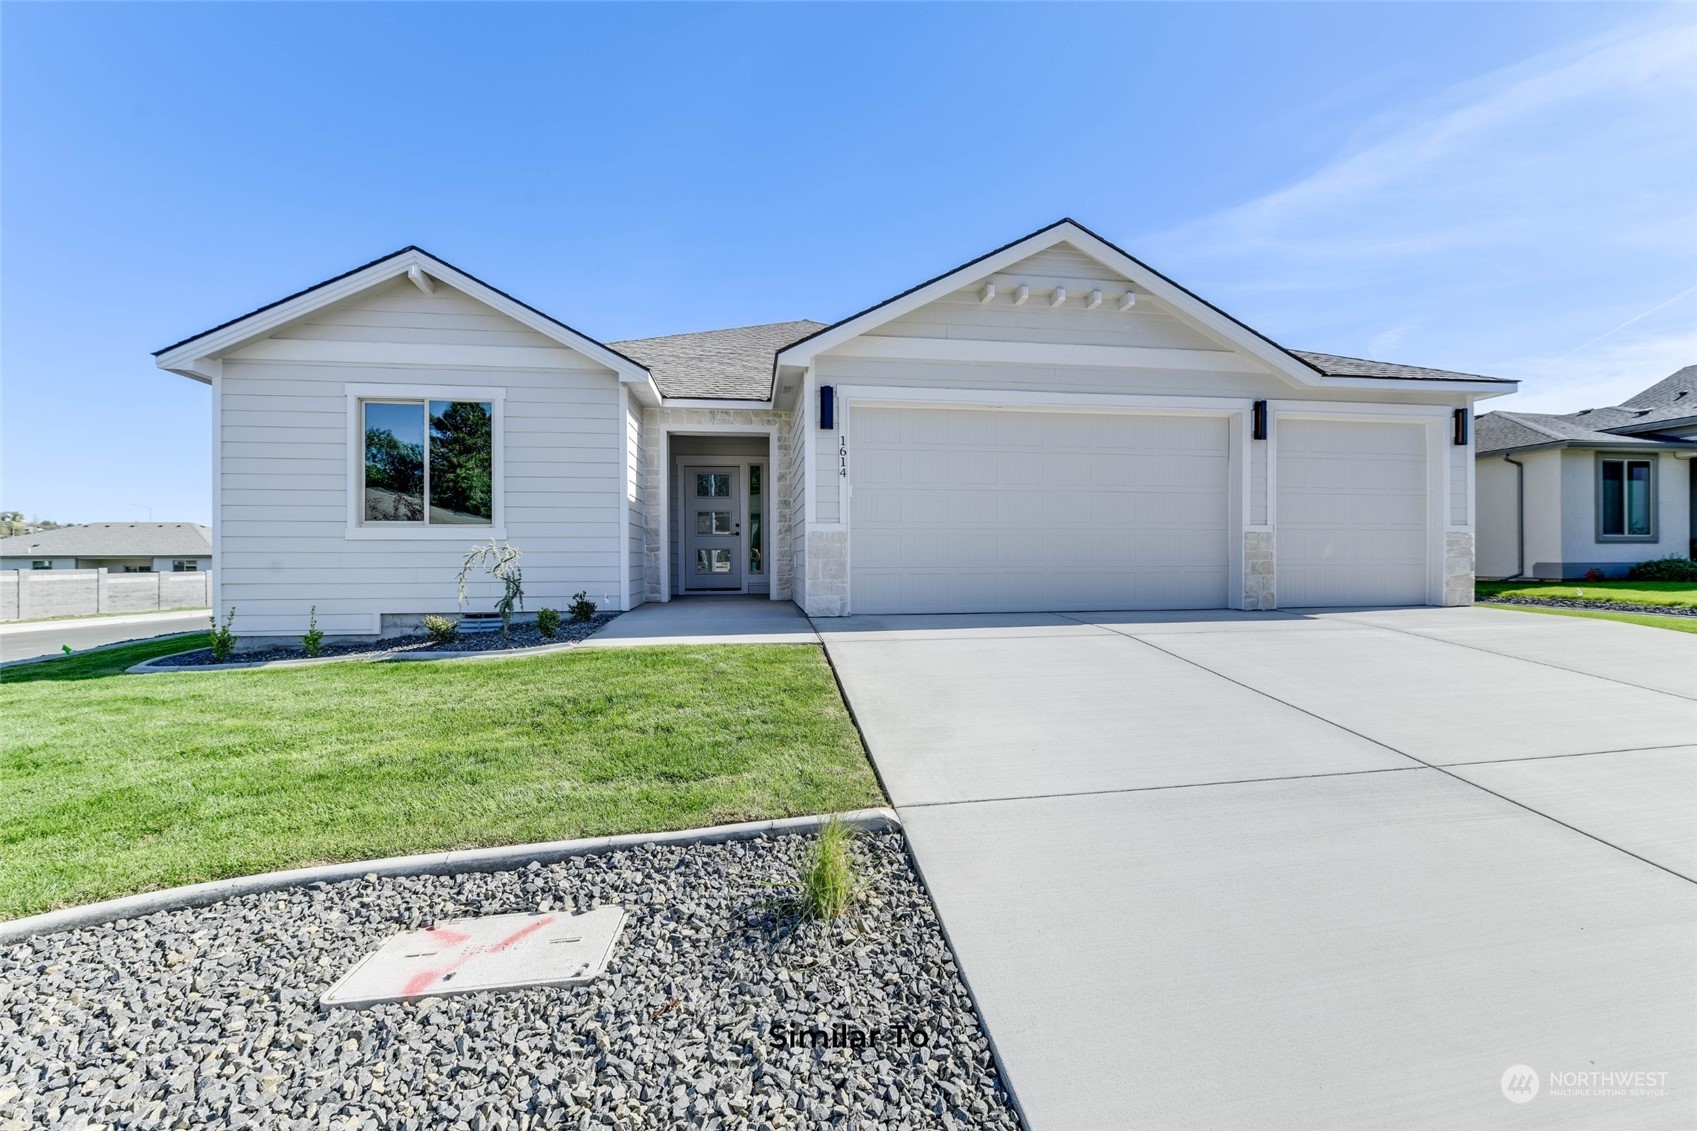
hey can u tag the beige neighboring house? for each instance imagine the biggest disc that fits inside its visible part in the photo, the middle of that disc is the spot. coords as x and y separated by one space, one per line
1054 425
118 547
1561 495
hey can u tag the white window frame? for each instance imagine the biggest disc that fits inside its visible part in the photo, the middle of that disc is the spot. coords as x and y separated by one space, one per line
1655 497
357 528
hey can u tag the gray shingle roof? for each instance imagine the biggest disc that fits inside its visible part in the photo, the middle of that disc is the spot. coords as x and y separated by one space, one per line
113 540
736 364
731 364
1333 365
1634 423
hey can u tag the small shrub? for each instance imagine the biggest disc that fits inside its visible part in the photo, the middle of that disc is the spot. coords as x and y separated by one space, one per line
548 622
442 629
581 608
313 642
1671 568
222 640
828 881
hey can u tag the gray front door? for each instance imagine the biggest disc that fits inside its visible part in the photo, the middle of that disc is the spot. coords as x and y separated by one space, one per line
712 519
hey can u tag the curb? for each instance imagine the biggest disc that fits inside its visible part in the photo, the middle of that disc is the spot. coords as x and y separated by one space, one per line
426 864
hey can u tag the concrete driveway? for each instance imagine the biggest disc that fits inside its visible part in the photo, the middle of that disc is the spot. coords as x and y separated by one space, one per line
1267 870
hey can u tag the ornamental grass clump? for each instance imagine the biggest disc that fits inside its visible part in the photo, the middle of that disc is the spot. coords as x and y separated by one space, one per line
829 883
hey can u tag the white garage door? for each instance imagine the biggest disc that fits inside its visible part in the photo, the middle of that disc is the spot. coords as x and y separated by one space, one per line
1351 513
975 510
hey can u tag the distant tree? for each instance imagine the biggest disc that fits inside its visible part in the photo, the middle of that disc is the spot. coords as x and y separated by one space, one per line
14 522
396 471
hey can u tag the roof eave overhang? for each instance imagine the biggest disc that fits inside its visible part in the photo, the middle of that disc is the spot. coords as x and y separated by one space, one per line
1655 426
1480 389
197 357
1257 345
1625 445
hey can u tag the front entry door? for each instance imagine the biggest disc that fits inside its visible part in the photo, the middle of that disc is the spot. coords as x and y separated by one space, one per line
712 517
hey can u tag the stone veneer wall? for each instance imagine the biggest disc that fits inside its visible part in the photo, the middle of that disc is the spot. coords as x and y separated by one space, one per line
1458 568
655 422
1259 581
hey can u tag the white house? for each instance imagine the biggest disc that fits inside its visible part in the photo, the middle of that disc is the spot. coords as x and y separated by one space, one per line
1052 426
1599 489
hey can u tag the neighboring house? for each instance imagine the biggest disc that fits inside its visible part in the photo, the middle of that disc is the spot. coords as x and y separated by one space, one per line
1054 425
119 547
1599 489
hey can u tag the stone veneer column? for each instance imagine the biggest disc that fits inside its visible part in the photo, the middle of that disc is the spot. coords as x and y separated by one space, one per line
1259 578
1458 568
827 573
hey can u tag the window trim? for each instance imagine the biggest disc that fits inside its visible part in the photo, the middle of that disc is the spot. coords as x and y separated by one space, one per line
357 528
40 563
1653 460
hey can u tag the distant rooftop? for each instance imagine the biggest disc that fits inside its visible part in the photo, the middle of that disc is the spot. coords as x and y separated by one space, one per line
1633 423
113 540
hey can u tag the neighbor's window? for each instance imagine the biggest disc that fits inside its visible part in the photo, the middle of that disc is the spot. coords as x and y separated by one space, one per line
185 565
40 565
429 462
1626 498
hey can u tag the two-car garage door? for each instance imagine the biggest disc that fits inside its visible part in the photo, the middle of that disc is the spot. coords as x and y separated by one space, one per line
987 510
998 510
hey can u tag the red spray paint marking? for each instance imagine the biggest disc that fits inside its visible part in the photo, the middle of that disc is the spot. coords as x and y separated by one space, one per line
424 979
447 936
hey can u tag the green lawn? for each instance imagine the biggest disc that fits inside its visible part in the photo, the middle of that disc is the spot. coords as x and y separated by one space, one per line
111 784
1625 592
1650 620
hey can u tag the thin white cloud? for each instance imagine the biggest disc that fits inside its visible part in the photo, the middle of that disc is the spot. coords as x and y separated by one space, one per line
1529 223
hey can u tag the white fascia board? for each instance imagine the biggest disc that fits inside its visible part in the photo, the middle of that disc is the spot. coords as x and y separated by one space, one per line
714 402
990 352
190 357
1476 390
1275 358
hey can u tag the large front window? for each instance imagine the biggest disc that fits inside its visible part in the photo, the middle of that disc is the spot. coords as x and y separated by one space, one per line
1626 499
429 462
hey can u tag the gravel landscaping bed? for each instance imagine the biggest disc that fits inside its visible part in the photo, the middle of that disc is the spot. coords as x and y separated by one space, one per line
1597 606
522 636
210 1016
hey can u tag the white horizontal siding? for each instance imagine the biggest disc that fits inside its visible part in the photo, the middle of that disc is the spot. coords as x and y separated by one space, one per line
636 496
284 437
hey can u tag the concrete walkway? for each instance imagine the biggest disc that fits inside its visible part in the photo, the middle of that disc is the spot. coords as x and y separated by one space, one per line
1282 871
734 619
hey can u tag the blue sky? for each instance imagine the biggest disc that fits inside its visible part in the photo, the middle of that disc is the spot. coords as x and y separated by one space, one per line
1505 189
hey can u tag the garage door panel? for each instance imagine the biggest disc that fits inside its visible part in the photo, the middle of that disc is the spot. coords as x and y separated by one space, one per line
961 510
1351 513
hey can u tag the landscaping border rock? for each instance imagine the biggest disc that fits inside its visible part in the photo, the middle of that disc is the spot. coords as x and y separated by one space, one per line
1594 606
719 1008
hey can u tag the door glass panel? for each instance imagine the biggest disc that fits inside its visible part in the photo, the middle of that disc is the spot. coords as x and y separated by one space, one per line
712 561
712 522
754 507
713 486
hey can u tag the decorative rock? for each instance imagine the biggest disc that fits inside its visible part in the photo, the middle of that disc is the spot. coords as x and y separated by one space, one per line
208 1017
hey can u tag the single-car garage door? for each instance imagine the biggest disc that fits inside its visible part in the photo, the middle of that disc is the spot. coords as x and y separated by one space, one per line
1350 523
989 510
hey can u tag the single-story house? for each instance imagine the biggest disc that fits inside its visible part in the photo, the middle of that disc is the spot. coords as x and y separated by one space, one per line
1054 425
119 547
1599 489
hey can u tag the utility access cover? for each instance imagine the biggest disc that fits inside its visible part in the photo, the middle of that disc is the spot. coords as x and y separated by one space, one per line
495 952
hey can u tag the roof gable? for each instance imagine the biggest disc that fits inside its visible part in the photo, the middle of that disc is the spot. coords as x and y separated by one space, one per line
196 356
